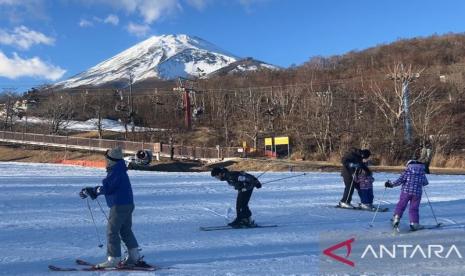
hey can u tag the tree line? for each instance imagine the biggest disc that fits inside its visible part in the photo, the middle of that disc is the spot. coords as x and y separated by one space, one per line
325 106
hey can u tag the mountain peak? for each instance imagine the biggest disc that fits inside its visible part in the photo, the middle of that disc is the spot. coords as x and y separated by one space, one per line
164 57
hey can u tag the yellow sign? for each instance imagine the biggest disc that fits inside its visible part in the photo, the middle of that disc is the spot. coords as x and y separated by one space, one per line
244 144
281 140
268 141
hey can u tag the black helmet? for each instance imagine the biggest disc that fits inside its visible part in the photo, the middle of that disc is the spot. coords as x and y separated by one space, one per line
365 153
216 171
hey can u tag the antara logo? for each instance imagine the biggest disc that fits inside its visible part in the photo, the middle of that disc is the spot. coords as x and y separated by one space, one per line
348 244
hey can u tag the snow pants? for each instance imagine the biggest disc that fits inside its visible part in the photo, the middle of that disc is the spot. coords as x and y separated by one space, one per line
350 185
366 195
242 204
414 209
119 228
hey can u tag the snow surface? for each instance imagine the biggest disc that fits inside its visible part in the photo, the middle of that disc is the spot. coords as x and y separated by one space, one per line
43 221
89 125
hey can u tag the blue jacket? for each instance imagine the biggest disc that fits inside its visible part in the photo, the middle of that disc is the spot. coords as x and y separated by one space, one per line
116 186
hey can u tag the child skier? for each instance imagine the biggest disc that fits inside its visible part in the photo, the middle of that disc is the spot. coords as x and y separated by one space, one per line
244 184
412 180
118 194
365 190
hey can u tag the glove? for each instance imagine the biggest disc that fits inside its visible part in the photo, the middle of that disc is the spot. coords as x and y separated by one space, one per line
354 165
82 193
258 185
388 184
89 191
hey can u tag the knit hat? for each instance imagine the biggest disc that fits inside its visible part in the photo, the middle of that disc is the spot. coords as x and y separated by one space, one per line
114 155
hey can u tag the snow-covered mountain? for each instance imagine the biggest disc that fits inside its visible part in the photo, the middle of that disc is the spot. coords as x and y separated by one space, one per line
163 57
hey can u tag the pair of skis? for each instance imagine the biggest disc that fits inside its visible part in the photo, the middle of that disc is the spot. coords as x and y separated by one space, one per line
227 227
87 266
142 266
396 230
358 208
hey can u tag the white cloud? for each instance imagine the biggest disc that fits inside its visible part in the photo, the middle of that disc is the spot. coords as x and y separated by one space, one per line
152 10
24 38
16 67
17 11
137 29
247 4
7 2
111 19
198 4
83 23
149 10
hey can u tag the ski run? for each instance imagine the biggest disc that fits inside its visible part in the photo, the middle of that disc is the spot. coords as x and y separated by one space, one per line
44 222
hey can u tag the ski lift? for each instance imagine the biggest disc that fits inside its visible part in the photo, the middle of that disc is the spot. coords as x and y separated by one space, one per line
121 107
197 110
117 93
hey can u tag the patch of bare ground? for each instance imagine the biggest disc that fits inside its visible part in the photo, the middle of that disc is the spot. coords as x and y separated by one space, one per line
39 154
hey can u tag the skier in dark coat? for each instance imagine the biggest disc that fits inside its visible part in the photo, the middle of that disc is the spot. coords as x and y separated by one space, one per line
352 164
118 194
244 184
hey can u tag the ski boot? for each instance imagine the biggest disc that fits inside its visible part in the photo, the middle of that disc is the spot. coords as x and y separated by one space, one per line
345 205
395 221
247 222
235 223
415 226
132 258
111 262
368 207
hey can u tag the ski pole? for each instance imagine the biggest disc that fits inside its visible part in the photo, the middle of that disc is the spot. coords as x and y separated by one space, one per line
287 177
267 168
377 208
101 209
105 214
432 211
95 225
262 174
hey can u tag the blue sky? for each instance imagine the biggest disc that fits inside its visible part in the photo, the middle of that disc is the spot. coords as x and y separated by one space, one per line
43 41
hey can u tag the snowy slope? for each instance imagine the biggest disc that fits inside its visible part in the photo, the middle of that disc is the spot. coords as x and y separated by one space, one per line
89 125
164 57
43 221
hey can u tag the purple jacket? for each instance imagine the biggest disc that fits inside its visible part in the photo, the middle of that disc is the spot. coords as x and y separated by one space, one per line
365 181
412 179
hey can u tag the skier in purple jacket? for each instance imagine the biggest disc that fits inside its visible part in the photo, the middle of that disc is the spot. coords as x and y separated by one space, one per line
365 189
412 180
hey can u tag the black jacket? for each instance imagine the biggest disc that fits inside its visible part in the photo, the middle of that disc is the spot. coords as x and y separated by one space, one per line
242 181
352 161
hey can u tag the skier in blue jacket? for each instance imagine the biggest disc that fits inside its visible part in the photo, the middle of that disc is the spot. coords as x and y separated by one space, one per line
118 194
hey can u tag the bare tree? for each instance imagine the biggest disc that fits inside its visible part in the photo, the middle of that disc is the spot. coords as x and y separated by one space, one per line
97 106
8 100
58 110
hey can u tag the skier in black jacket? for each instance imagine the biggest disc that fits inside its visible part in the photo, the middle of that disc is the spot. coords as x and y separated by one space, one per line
352 164
244 184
